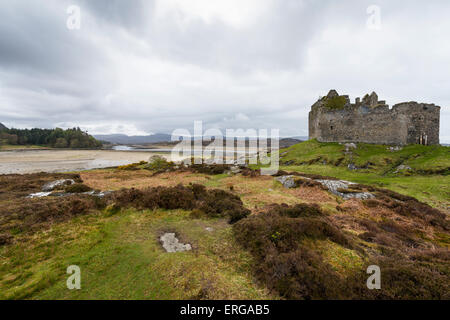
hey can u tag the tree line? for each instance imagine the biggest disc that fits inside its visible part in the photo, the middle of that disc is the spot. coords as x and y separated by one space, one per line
56 138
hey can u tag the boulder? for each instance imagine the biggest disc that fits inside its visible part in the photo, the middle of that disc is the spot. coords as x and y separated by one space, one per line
235 169
287 181
349 146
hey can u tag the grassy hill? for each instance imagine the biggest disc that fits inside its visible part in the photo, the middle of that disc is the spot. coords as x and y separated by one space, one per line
414 170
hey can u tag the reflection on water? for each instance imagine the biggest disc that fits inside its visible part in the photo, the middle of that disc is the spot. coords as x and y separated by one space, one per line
123 148
129 148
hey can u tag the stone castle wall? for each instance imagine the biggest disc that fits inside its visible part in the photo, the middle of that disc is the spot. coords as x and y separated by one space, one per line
372 121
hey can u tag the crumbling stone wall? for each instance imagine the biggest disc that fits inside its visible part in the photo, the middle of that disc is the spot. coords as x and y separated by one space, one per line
335 119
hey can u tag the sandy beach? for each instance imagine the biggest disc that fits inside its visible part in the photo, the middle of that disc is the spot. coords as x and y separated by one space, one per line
31 161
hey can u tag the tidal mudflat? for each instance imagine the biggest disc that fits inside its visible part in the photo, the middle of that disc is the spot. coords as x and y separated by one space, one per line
32 161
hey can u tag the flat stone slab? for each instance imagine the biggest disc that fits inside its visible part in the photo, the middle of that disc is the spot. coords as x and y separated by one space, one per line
93 193
170 243
39 195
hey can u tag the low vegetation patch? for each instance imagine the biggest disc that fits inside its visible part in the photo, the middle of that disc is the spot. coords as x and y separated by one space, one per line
14 186
159 164
35 214
132 166
284 263
335 103
77 188
283 241
212 203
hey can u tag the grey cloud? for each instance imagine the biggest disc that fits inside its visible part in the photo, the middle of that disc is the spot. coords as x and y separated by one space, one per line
129 68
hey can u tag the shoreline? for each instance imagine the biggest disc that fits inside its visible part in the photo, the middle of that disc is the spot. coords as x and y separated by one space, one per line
66 160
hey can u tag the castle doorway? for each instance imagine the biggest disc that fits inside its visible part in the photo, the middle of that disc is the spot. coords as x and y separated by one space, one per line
423 140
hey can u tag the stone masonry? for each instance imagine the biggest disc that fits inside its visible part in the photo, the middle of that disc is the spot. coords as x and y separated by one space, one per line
334 118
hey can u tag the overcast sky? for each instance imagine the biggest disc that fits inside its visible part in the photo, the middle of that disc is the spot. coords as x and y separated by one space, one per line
138 67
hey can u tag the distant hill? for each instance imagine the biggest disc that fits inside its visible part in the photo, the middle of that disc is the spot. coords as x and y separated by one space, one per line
301 138
162 137
2 127
124 139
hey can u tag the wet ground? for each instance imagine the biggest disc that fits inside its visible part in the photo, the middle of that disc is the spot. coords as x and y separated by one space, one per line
32 161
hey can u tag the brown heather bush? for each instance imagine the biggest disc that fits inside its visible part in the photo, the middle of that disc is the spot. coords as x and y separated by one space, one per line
209 169
290 266
372 203
403 279
40 213
410 207
284 263
300 274
212 203
406 206
301 182
5 239
247 172
20 185
389 233
77 188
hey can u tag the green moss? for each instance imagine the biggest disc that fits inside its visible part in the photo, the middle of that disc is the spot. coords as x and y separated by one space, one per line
335 103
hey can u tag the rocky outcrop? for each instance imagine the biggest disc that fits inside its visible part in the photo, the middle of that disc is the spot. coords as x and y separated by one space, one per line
57 184
287 181
338 186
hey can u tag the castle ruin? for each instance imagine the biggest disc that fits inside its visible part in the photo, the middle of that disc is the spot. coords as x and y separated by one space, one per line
334 118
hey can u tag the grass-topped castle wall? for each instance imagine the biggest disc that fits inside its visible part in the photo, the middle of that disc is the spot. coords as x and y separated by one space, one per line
334 118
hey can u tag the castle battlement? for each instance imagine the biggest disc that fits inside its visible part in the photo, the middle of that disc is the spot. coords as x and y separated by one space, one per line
334 118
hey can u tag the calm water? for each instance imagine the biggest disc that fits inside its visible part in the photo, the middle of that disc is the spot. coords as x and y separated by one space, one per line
195 152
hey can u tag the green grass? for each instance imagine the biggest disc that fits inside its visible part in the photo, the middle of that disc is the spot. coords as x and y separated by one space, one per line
378 158
431 189
6 147
215 181
421 182
312 150
120 258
